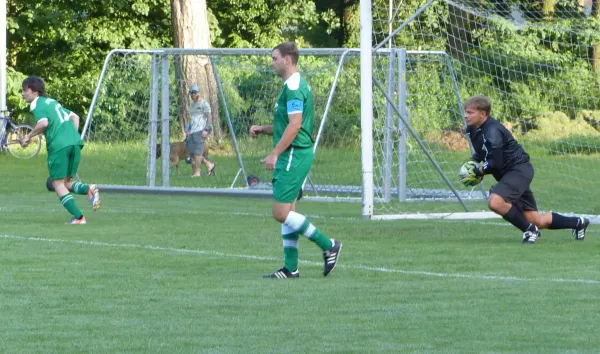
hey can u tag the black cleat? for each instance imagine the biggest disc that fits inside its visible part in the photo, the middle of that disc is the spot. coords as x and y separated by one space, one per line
331 257
579 231
283 273
531 236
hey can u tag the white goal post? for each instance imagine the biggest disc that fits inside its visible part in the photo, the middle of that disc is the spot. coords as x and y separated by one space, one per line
141 98
541 67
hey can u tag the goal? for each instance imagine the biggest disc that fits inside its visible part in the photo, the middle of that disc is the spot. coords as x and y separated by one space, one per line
142 100
389 126
539 62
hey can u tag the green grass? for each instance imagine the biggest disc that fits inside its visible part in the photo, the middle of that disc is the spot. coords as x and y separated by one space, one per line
561 182
159 274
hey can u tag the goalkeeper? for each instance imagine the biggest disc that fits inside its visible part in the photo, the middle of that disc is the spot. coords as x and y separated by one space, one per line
504 158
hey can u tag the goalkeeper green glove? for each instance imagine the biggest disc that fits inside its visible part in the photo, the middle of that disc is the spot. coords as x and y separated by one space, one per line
469 175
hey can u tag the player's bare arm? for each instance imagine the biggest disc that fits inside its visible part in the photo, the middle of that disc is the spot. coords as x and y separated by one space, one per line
75 119
256 130
289 134
39 128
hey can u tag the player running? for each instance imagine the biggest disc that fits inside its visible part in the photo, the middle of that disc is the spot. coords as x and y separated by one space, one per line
63 143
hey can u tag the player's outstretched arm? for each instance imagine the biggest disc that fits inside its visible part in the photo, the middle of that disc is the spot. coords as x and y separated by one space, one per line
261 129
39 128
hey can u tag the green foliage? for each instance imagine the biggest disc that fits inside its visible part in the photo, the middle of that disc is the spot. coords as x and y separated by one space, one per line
527 101
14 79
66 42
524 68
557 125
263 23
251 89
431 100
575 144
592 117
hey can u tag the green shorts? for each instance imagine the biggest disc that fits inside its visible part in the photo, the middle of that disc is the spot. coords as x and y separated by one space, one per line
290 171
64 162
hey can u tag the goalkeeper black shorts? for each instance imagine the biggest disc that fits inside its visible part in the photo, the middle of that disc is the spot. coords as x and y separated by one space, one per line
514 187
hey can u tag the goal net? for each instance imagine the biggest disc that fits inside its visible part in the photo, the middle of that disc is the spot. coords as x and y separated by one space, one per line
143 99
539 62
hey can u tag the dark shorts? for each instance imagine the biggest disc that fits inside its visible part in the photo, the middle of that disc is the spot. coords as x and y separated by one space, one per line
515 187
195 143
64 162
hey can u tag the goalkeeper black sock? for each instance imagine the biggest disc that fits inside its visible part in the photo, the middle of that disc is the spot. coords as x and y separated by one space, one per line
516 217
563 222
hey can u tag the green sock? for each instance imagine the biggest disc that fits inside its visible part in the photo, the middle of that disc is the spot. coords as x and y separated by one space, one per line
309 230
290 251
69 203
80 188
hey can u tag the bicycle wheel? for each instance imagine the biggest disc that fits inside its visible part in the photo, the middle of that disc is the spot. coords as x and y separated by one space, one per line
14 145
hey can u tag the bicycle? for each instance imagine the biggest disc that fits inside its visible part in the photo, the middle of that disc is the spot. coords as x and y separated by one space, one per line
11 134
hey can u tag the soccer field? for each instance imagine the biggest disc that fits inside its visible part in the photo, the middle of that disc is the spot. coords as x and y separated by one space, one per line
184 274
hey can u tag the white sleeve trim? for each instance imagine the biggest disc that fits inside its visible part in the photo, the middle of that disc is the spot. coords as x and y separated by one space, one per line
293 82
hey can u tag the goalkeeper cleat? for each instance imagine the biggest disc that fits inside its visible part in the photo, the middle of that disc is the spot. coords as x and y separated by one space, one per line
94 196
75 221
331 257
579 231
283 273
531 236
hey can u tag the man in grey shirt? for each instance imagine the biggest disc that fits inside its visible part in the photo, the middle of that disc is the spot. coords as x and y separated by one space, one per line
197 131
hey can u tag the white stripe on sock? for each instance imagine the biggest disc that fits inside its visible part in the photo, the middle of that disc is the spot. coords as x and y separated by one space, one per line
294 220
290 243
286 230
66 199
310 231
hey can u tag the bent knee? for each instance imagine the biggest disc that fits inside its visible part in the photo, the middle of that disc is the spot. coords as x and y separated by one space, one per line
280 215
496 202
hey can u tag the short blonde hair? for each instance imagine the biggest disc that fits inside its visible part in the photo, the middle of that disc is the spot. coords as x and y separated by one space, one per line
480 103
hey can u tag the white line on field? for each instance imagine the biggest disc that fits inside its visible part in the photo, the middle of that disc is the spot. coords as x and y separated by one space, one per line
190 212
264 215
310 263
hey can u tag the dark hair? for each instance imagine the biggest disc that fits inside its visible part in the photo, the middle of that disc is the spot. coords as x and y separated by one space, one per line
289 49
480 103
36 84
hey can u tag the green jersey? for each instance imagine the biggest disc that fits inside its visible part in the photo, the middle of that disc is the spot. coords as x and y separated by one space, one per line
61 131
295 97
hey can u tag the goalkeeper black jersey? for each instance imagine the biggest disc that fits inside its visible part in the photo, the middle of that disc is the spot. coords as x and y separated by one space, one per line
496 147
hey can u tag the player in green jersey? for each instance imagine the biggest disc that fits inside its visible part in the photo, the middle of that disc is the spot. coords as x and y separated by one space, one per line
291 160
63 143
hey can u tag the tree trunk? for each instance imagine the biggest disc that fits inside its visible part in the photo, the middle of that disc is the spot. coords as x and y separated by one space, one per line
190 30
596 46
548 8
11 49
351 24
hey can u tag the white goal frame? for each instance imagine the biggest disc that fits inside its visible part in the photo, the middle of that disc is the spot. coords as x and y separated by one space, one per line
159 93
